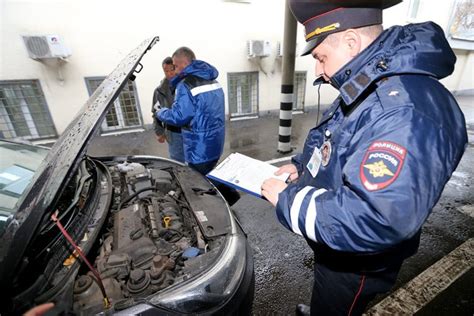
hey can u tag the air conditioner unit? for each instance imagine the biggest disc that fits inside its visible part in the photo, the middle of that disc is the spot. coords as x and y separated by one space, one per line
48 46
279 49
259 48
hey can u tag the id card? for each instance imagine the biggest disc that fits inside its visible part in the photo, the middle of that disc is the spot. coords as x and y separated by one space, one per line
314 162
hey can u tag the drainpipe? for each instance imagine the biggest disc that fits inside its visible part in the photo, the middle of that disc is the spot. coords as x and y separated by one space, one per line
287 78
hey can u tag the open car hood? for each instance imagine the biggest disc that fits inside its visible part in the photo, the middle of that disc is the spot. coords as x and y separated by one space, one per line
62 162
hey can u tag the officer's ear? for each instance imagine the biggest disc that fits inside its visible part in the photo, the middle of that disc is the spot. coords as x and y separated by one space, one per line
352 42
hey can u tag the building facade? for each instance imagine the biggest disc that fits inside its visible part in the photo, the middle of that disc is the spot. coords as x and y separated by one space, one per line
38 98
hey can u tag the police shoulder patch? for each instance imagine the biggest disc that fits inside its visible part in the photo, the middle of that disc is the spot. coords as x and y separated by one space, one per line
381 165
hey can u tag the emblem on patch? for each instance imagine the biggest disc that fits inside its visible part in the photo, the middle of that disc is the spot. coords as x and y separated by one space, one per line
326 153
382 164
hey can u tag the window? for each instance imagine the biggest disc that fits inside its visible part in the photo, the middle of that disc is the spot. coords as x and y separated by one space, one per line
243 93
23 111
413 10
299 91
125 112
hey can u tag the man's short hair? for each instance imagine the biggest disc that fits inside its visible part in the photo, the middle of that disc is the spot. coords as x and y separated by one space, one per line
371 31
185 52
167 61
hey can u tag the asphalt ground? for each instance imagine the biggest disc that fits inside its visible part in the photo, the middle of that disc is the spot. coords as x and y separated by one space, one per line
283 261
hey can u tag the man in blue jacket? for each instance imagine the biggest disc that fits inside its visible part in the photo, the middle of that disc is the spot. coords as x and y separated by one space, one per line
198 109
374 167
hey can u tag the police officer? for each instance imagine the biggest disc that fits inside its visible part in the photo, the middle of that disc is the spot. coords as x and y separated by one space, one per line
374 167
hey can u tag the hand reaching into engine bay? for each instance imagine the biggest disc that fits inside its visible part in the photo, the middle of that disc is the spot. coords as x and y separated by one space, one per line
39 310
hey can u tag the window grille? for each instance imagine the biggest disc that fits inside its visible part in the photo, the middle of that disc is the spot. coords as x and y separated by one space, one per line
24 113
243 93
125 112
299 91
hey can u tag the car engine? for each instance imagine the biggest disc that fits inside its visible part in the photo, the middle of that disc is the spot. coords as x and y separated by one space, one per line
146 243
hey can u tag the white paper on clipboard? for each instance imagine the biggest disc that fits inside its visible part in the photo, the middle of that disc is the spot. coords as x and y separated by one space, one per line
245 173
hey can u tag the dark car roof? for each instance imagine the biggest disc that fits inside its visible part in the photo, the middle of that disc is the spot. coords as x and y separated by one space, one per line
61 163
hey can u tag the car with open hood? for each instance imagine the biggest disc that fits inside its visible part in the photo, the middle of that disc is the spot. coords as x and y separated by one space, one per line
116 235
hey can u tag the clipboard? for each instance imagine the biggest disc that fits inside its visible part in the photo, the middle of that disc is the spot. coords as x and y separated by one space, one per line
244 173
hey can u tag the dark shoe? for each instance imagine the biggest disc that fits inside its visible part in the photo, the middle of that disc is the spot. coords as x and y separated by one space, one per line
302 310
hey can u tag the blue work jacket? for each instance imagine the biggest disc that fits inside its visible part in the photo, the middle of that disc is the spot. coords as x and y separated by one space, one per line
375 166
199 110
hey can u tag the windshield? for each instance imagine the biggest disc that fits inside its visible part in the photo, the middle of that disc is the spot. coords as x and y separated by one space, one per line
18 163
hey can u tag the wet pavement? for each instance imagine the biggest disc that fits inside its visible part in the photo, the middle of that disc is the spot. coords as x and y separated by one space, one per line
283 261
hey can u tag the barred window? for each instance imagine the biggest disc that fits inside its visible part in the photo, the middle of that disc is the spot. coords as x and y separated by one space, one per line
24 113
243 93
125 112
299 90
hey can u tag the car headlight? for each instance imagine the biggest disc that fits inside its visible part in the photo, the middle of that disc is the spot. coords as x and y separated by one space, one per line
211 289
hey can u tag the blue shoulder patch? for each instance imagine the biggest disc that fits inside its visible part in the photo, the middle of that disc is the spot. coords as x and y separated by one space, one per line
381 165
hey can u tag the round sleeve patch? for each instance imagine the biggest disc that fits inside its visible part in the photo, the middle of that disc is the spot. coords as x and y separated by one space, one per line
381 165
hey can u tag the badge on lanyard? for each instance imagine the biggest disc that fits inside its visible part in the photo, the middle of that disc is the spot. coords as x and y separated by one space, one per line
326 153
314 162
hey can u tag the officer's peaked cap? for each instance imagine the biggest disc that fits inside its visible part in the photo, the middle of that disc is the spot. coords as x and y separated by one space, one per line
323 17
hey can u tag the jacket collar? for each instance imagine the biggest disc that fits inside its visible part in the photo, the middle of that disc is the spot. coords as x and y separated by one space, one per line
366 68
412 49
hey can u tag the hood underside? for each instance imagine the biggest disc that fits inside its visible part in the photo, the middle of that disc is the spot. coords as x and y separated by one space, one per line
62 162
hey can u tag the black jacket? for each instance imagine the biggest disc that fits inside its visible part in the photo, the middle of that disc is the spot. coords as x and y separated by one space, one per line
163 96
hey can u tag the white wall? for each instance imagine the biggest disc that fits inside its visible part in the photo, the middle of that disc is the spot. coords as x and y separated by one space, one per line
439 11
101 33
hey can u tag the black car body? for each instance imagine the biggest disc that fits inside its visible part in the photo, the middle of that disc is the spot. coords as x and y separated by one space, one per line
160 235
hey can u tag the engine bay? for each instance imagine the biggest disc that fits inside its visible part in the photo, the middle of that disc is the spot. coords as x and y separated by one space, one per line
143 225
150 235
149 243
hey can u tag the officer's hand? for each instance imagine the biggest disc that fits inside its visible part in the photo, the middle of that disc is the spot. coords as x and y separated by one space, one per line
161 138
39 310
271 188
289 168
